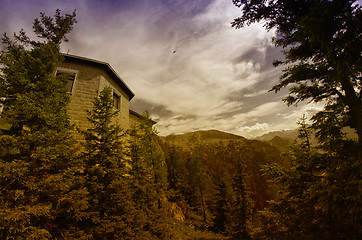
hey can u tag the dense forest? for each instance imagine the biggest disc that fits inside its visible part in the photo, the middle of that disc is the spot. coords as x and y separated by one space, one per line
118 183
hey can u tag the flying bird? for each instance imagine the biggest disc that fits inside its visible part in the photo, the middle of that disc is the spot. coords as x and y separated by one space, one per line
174 52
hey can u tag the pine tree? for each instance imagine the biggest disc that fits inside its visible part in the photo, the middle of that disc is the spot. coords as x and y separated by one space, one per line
322 47
149 178
41 193
315 194
223 200
197 183
176 173
304 133
111 210
242 205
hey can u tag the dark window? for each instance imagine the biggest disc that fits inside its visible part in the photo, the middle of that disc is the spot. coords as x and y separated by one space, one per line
116 101
70 78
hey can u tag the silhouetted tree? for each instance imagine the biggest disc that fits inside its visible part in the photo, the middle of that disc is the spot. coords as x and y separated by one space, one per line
223 200
315 194
322 48
304 133
242 205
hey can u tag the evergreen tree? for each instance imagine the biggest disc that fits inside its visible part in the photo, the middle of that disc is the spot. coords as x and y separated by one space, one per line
197 183
149 178
322 42
176 173
111 210
304 133
223 200
41 193
322 48
315 194
242 205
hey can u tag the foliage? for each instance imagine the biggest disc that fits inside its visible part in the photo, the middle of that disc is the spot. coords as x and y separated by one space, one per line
198 184
41 189
318 192
56 33
304 133
148 178
242 205
105 172
176 173
104 138
322 49
223 201
225 206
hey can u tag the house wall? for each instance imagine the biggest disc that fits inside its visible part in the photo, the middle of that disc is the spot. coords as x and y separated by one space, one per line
89 82
122 117
134 119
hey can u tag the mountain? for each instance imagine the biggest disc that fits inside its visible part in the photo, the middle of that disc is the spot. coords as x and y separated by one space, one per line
208 136
219 151
286 134
280 143
283 137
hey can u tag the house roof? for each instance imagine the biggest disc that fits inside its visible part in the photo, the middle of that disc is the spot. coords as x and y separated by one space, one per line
136 114
105 66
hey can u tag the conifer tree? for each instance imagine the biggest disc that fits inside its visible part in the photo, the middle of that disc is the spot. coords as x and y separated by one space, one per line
304 133
223 200
197 184
111 210
315 194
322 47
41 193
242 205
149 178
322 42
176 173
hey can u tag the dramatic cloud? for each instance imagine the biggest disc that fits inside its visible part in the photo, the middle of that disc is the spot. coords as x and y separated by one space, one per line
184 62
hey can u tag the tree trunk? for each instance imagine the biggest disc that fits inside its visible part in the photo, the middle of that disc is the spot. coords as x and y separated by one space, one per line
353 101
202 200
359 133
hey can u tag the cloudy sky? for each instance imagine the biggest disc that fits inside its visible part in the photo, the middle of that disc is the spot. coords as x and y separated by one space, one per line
181 58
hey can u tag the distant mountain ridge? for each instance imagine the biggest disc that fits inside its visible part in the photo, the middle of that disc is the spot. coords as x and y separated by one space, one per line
216 135
290 135
203 136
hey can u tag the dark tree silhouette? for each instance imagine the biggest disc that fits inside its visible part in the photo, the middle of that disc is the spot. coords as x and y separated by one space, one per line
322 43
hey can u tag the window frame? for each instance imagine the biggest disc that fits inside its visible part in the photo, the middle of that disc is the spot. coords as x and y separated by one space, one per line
116 96
68 71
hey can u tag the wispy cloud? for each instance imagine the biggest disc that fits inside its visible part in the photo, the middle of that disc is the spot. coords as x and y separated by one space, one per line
183 60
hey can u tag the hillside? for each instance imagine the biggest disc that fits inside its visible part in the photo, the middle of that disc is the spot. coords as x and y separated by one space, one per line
285 134
219 152
285 137
208 136
280 143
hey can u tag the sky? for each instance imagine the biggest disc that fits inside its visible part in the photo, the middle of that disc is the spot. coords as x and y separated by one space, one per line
185 63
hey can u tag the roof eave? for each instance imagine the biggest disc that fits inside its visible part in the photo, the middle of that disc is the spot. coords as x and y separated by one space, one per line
106 67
